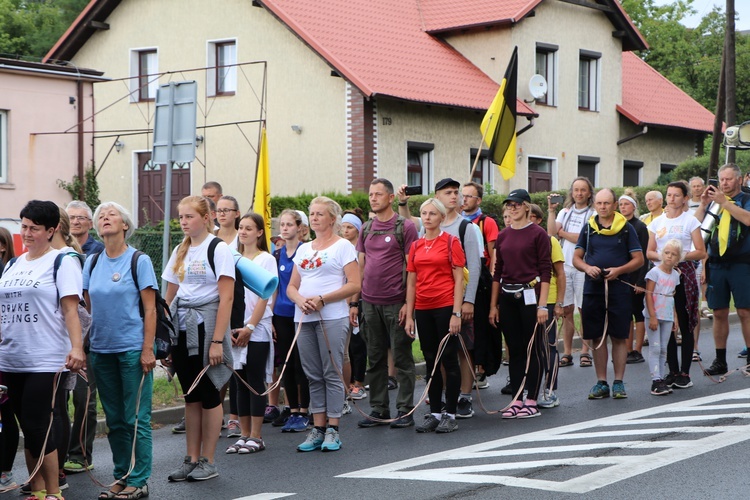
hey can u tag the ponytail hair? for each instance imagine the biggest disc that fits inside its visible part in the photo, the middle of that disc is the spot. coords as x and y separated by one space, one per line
200 205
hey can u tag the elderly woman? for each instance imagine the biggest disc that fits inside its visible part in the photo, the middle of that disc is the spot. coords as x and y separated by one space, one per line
41 336
325 276
122 346
434 294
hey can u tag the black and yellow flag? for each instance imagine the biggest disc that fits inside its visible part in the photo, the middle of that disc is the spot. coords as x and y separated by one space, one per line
262 196
499 123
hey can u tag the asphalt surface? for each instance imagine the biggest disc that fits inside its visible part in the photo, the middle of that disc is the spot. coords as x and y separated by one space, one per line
690 444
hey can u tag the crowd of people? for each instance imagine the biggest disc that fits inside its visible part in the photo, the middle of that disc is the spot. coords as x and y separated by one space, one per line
80 315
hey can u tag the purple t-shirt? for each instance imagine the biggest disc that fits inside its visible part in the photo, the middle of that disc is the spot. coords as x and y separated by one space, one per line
382 280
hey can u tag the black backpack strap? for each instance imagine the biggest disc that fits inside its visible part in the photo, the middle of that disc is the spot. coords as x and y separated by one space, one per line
462 230
211 252
134 274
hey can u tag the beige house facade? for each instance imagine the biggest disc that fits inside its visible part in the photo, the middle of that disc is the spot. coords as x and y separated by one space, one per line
336 118
42 138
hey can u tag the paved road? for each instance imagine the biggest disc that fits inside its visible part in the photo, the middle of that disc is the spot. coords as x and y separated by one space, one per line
691 444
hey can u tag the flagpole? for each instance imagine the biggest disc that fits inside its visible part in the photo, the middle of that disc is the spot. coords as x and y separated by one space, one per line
479 151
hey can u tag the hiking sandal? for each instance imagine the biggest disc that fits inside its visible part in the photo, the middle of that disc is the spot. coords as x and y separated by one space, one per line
566 360
586 360
252 445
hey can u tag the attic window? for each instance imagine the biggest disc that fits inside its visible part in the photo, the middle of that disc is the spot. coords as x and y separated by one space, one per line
589 72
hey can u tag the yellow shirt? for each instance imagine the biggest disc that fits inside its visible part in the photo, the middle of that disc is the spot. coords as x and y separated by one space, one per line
556 256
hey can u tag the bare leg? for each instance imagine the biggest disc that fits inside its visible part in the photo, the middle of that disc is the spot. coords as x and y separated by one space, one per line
193 430
584 346
568 329
601 356
721 327
619 357
210 430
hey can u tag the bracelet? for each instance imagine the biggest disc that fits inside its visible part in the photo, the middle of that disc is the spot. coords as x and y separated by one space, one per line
321 300
354 304
403 203
541 307
217 341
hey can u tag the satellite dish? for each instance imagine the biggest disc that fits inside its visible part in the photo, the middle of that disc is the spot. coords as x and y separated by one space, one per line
538 86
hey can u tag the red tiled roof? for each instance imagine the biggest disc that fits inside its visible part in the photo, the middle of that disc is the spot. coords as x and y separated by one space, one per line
381 48
441 15
648 98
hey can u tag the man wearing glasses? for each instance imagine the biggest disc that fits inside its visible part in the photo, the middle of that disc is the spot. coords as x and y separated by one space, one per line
81 224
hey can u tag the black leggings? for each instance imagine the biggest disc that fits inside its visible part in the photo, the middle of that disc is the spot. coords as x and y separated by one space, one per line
296 386
433 325
8 437
254 374
688 340
358 356
30 394
518 324
188 368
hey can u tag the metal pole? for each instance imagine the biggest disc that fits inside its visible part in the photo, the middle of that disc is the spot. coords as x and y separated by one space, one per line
168 186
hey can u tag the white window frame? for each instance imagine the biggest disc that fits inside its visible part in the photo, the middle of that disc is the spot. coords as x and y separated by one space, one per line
594 80
640 170
3 146
552 169
426 157
488 172
230 82
552 54
135 63
589 159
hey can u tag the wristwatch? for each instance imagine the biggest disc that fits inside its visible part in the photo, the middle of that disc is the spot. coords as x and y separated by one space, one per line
250 327
560 304
456 314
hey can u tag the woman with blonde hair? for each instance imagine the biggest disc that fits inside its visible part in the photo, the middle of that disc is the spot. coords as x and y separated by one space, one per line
325 276
200 296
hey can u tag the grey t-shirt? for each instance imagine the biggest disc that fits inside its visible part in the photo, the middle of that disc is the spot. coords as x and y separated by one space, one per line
472 249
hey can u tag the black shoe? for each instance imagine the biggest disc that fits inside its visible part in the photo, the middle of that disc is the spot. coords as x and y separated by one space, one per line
62 481
392 383
464 408
659 388
179 428
508 389
366 422
669 379
26 489
717 368
635 357
682 381
402 420
282 418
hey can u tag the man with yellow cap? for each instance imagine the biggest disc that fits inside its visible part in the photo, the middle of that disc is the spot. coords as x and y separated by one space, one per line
728 259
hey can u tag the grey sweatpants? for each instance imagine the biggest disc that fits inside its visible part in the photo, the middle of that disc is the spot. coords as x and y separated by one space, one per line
326 386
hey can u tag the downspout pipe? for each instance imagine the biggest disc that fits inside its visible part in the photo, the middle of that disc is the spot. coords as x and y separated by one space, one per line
634 136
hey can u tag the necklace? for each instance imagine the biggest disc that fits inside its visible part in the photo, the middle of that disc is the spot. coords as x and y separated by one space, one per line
432 244
29 257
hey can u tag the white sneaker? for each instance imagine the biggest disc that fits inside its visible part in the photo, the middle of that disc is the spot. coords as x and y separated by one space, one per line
549 400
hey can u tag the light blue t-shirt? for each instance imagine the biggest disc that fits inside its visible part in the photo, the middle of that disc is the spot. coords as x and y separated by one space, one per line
116 324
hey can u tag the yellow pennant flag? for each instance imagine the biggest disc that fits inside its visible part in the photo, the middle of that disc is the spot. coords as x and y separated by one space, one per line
262 195
499 124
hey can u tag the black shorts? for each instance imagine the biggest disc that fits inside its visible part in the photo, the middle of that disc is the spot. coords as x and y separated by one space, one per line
618 316
638 306
188 368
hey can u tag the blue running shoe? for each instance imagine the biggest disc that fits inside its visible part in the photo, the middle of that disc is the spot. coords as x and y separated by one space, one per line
600 390
313 442
331 442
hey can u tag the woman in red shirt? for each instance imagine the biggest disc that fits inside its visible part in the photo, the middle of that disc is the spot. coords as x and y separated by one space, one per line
519 299
434 294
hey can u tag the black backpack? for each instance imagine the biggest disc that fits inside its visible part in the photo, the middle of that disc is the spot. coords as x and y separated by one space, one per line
237 318
164 326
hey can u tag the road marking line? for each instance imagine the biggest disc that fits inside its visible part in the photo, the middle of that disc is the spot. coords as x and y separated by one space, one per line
670 441
266 496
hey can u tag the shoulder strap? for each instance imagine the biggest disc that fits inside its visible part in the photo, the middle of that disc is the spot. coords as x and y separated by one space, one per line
211 251
399 231
462 230
134 273
11 262
94 260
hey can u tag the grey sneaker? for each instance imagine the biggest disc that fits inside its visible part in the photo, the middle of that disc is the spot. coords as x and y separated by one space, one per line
331 442
313 442
181 473
204 470
429 424
402 420
6 480
447 424
179 428
464 409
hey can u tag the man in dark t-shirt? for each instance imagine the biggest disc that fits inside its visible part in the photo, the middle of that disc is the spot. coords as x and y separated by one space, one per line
608 250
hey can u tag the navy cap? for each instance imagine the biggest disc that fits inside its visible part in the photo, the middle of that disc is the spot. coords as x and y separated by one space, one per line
444 183
518 195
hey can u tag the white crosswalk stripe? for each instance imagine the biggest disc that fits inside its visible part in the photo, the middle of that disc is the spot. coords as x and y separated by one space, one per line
583 457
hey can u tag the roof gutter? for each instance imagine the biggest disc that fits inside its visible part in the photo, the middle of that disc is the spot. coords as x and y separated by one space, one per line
634 136
527 127
72 76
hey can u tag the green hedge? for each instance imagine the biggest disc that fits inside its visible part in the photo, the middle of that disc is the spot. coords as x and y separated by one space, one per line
491 204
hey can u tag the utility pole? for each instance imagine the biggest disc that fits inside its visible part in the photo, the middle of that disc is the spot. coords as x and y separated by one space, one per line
717 136
730 76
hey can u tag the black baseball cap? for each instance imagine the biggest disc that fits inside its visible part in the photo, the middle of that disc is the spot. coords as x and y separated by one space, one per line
444 183
518 195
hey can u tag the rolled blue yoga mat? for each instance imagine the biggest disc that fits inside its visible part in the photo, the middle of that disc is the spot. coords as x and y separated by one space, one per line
257 279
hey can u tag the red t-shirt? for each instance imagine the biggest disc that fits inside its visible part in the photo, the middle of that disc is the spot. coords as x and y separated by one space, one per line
430 260
489 231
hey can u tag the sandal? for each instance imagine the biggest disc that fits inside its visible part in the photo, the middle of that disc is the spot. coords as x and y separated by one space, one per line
512 411
111 493
235 448
135 494
566 360
528 412
586 360
252 445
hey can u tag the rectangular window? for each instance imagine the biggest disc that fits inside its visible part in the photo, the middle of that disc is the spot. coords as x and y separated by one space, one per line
588 167
631 173
546 65
665 168
222 73
3 146
483 172
588 80
419 165
144 73
540 174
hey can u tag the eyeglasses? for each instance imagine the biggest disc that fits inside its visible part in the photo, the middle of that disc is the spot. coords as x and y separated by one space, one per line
79 218
470 196
224 211
513 205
